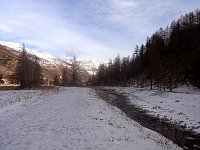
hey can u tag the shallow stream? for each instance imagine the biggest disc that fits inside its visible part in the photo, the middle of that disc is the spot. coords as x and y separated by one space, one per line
179 135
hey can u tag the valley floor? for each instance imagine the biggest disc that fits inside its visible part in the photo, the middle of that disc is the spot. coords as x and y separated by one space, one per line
72 118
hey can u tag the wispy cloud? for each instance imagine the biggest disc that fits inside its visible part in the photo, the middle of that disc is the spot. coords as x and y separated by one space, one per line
94 29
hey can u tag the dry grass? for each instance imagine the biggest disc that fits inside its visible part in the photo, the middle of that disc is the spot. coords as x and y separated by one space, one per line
9 87
17 87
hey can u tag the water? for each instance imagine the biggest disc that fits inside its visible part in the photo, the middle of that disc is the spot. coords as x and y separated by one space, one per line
179 135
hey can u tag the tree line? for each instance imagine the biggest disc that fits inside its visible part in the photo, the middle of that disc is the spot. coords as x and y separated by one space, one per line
169 57
28 72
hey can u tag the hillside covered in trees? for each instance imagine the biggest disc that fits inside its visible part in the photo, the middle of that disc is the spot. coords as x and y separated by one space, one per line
32 67
169 57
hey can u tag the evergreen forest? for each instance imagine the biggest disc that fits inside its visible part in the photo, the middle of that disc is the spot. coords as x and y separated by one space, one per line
171 56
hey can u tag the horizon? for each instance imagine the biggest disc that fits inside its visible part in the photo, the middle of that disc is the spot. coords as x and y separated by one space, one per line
90 29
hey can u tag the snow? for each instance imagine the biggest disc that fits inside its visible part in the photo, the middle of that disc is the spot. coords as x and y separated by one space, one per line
73 118
39 53
89 65
15 98
181 107
48 60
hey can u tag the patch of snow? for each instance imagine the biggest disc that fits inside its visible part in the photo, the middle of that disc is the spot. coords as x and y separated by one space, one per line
39 53
89 65
188 89
14 98
75 119
181 107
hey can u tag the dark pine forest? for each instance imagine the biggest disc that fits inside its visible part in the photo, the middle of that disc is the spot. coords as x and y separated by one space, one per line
170 57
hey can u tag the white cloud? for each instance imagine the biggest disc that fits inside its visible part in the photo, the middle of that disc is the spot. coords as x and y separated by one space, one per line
4 28
94 29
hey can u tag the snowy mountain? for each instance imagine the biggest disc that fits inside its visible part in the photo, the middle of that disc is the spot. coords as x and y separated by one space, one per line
18 47
47 60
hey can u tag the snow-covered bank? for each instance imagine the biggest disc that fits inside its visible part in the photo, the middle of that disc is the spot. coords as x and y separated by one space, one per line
76 119
181 106
14 99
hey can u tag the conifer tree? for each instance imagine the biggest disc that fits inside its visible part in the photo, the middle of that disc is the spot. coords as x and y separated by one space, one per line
27 71
22 70
56 80
170 56
1 76
65 80
75 74
36 71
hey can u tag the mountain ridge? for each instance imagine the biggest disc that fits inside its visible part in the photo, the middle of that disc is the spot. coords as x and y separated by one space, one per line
47 59
51 65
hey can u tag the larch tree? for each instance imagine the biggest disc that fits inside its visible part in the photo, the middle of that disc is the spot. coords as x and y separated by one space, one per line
22 70
28 71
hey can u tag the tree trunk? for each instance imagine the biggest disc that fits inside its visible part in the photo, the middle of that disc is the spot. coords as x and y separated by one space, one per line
151 82
170 83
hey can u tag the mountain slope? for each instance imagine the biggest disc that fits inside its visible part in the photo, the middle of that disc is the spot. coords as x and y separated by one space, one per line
51 65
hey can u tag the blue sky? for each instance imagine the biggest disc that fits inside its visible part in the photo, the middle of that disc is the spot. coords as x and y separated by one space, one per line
93 29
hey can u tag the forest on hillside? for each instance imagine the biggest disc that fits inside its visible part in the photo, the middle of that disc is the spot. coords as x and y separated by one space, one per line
29 73
171 56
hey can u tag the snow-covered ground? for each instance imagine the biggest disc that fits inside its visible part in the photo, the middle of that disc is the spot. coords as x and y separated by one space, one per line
72 119
13 99
182 106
